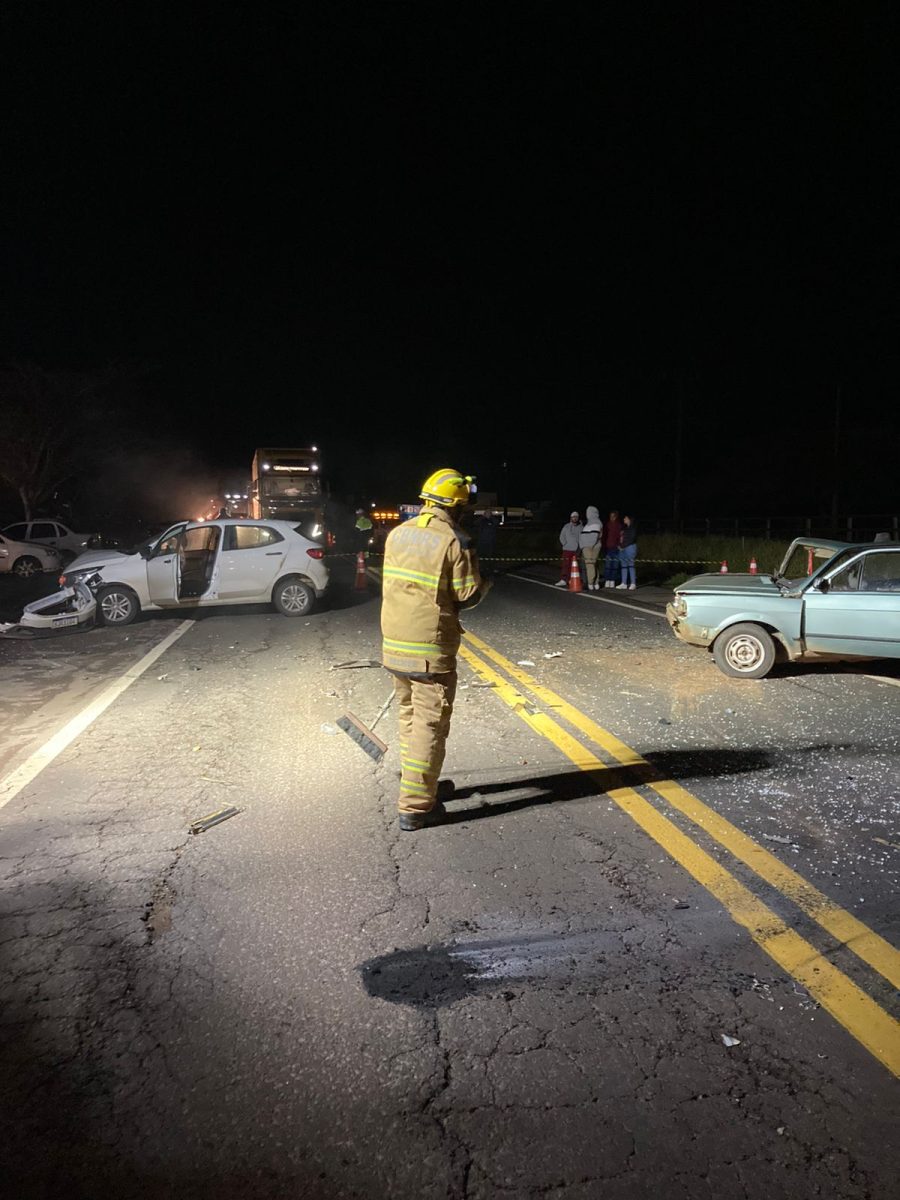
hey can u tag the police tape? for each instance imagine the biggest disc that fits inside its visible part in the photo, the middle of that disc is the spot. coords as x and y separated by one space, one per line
528 559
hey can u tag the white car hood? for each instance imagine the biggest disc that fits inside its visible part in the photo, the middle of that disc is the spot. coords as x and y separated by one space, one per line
96 559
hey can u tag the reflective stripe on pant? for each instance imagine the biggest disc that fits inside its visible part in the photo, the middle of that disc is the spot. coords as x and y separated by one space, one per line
424 711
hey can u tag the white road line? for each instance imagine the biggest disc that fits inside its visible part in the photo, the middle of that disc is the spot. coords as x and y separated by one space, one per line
654 612
894 683
13 783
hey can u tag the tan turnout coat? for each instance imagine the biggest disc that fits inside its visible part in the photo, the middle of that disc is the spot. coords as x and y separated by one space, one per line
429 571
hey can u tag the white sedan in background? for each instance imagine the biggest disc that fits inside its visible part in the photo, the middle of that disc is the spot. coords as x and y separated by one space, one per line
26 558
49 532
193 563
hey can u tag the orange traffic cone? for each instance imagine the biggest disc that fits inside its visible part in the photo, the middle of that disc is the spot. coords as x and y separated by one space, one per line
575 575
723 570
753 566
362 582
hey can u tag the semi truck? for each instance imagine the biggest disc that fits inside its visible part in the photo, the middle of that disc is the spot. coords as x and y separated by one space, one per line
286 484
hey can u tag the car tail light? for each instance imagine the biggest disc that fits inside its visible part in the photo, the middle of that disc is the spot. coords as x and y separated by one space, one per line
329 537
315 553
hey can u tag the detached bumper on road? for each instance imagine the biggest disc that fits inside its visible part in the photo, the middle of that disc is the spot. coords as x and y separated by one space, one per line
70 606
694 635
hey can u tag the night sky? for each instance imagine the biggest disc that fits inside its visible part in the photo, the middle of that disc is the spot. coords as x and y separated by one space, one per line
426 234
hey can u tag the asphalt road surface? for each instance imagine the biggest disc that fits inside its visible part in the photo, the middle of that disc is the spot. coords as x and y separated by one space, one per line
652 952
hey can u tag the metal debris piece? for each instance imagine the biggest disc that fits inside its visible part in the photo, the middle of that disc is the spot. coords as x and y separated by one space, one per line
780 1130
484 683
554 654
215 818
525 662
885 842
729 1041
775 837
682 904
354 664
326 727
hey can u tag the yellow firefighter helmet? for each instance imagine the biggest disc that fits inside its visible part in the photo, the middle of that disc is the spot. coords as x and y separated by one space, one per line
448 488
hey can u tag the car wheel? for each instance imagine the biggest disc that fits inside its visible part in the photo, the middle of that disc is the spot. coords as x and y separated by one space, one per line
293 598
26 566
744 652
117 605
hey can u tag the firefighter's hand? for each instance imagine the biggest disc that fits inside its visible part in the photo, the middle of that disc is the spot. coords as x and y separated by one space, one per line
486 585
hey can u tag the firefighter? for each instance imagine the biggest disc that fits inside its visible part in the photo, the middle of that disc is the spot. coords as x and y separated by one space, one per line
430 573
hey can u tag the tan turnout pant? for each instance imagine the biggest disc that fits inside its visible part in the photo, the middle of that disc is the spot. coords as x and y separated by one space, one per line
424 711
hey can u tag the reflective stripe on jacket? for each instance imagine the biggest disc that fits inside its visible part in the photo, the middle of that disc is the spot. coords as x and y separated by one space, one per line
429 570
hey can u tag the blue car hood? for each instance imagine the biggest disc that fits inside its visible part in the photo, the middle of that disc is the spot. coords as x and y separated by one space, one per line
731 585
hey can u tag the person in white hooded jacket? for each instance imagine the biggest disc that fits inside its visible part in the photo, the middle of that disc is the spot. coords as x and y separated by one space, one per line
589 542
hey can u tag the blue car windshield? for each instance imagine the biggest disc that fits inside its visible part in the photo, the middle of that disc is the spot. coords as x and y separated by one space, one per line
797 569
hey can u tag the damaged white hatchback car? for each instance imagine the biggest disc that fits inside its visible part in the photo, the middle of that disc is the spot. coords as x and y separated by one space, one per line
206 563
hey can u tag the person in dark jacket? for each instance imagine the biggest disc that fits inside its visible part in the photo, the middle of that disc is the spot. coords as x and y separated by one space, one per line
611 531
628 552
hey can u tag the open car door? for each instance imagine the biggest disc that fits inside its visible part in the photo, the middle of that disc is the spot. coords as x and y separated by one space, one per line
164 571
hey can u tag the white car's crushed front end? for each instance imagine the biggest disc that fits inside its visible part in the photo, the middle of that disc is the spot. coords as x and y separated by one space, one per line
69 607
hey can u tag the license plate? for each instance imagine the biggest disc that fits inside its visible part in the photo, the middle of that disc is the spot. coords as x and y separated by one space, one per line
60 621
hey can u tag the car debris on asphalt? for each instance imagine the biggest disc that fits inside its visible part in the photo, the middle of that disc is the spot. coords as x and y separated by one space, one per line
214 818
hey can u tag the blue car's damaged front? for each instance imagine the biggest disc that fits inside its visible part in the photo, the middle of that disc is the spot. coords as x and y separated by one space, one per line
845 604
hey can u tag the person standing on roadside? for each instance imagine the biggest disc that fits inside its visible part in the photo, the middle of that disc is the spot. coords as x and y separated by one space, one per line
611 531
628 552
487 535
362 531
569 539
590 540
430 573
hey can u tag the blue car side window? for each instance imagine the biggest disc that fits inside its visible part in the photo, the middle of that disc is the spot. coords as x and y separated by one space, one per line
882 573
848 579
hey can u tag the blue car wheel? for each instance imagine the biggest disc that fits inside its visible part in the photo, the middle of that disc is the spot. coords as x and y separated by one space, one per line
744 652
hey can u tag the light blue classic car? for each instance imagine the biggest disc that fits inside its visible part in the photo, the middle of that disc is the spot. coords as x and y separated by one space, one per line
828 600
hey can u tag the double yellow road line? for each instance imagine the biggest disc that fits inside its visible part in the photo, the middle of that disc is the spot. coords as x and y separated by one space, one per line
860 1015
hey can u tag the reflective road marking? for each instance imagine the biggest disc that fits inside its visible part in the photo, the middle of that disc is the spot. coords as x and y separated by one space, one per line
12 784
848 1004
